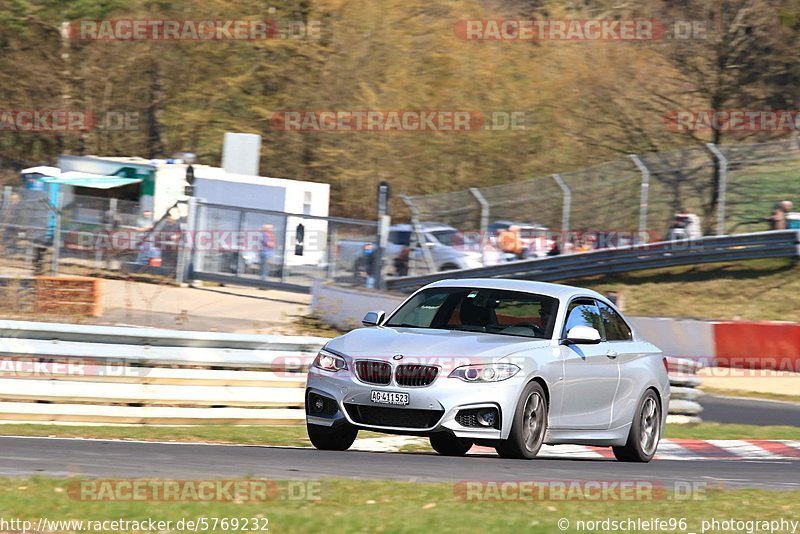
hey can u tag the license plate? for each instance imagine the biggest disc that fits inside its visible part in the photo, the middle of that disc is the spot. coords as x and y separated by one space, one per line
389 397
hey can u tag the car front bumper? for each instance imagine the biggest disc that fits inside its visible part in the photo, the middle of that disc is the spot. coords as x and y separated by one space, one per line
431 409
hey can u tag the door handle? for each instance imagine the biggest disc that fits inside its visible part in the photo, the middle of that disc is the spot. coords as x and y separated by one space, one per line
612 354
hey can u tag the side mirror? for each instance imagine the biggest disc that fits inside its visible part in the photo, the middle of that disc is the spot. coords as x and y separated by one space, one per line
583 335
373 318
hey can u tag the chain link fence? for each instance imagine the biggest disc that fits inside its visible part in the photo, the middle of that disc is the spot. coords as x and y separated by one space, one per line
99 236
261 247
731 189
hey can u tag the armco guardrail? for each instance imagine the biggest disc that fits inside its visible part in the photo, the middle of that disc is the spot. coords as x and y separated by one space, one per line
77 373
785 243
683 381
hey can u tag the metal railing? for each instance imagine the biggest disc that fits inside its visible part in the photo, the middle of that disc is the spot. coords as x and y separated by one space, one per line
778 244
97 374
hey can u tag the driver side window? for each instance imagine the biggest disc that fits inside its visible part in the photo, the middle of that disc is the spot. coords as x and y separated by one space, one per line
615 326
583 312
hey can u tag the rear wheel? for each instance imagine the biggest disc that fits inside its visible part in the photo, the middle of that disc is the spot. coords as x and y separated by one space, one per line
645 432
529 425
338 438
449 445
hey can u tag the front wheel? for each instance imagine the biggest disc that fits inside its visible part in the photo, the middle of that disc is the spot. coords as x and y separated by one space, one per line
449 445
529 425
338 438
645 432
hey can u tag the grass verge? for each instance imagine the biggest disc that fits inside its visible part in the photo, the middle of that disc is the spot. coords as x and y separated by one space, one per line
709 430
758 395
379 506
751 290
295 435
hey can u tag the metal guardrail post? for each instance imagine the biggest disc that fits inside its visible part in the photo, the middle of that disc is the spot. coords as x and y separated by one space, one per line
566 204
723 185
57 233
645 193
484 219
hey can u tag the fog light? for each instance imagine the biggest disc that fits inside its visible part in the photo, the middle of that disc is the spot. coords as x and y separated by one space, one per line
319 404
487 417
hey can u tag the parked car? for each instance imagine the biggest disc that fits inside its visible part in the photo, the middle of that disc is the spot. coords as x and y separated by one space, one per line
509 364
523 240
448 247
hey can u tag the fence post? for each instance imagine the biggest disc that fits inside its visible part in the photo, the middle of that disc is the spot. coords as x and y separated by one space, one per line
417 231
566 205
200 223
644 195
7 190
484 219
240 235
723 185
187 242
57 233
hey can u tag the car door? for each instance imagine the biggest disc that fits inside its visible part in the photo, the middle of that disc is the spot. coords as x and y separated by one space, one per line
591 376
630 356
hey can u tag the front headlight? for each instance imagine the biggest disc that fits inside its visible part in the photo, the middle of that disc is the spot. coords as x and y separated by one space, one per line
490 372
329 362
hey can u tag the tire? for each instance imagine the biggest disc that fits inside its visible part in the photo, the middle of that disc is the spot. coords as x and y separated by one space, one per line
528 427
645 431
338 438
449 445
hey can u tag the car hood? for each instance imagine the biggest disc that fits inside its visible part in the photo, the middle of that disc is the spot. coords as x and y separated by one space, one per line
384 342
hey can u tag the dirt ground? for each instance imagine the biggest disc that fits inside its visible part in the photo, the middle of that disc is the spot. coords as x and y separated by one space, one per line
211 308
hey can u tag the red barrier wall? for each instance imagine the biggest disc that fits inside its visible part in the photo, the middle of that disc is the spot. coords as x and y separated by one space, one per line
757 345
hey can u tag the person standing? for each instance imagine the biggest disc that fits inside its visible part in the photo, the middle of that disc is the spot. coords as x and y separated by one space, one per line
144 224
267 249
368 260
778 219
693 224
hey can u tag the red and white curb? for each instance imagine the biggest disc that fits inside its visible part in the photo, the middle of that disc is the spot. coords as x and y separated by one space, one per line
668 449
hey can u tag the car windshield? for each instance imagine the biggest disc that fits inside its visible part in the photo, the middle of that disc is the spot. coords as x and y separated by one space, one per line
492 311
449 238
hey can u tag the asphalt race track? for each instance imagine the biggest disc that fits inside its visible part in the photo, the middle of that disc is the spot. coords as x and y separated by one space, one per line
131 459
749 411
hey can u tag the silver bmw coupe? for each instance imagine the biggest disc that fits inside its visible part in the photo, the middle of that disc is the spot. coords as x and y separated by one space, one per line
508 364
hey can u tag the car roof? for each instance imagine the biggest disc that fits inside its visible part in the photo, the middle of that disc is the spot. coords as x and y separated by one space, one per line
518 223
559 291
427 226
